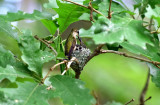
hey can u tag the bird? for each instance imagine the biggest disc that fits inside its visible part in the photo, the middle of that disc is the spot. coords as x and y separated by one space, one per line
80 52
71 42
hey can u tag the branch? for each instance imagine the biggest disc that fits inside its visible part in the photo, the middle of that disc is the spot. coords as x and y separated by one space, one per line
129 56
143 93
86 7
51 69
96 52
36 37
69 64
129 101
109 12
91 11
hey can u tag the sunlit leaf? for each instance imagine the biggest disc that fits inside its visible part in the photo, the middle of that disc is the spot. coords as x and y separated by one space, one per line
153 13
68 13
20 15
6 28
50 25
117 31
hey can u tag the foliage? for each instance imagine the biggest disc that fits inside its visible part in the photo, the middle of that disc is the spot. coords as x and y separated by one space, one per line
124 30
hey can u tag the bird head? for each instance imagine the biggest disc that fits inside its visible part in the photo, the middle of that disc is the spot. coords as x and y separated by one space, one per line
75 33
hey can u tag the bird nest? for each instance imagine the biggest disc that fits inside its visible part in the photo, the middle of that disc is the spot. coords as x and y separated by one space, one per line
81 53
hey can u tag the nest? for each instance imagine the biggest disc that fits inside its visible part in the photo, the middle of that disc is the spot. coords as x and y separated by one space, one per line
81 53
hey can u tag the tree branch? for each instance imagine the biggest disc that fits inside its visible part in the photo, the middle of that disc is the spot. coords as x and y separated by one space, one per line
109 12
96 52
129 56
143 93
91 10
48 45
85 7
69 64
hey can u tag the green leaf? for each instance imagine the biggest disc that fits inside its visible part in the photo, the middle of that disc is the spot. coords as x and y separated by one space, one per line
71 91
20 15
150 52
155 73
6 57
10 66
51 4
27 94
104 7
10 73
153 13
152 3
143 4
50 25
6 28
31 53
118 30
68 13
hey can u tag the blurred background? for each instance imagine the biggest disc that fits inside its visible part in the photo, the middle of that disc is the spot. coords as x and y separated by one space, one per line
111 77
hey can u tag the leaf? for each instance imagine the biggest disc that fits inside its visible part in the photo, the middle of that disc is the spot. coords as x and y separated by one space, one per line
50 25
155 73
68 13
143 4
20 15
71 91
151 52
31 53
6 57
153 13
27 94
11 68
6 28
104 7
51 4
118 30
10 73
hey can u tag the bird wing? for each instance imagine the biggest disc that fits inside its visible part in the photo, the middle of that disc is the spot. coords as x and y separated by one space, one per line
71 50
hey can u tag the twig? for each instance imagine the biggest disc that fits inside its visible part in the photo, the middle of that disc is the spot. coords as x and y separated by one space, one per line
129 101
91 11
85 7
150 24
36 37
143 93
51 69
148 98
69 64
109 12
129 56
96 97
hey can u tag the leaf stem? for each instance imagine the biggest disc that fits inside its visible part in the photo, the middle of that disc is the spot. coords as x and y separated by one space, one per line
85 7
129 101
48 45
109 12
